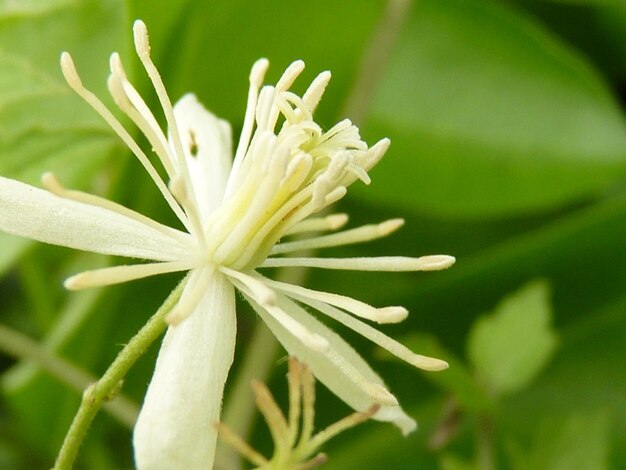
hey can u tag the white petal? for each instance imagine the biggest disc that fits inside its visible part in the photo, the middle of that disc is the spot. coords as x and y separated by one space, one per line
335 370
208 148
175 428
33 213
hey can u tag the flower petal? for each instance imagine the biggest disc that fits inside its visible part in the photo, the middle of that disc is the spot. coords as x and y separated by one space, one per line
337 367
175 428
33 213
207 144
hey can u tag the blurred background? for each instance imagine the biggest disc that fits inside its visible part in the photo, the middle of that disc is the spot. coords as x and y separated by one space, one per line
508 151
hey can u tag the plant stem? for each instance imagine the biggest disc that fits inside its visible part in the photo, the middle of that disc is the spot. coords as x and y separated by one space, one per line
110 383
485 459
22 347
375 57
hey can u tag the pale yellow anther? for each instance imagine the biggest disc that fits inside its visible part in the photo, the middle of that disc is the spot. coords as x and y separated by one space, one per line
257 74
69 71
289 76
392 314
389 226
142 42
52 184
436 262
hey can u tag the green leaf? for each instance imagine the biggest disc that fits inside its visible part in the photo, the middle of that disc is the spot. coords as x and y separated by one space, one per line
456 379
491 116
214 49
578 442
43 125
512 345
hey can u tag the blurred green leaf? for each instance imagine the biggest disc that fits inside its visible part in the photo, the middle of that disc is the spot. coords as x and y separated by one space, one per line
578 442
211 53
452 462
43 125
511 346
456 380
489 115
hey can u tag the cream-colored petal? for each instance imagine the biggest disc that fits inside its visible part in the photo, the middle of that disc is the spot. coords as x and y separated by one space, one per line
175 428
34 213
337 368
207 144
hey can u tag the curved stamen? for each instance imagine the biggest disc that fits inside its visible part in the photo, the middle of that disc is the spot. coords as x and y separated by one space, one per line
133 105
356 235
360 309
73 80
319 224
256 79
142 46
375 336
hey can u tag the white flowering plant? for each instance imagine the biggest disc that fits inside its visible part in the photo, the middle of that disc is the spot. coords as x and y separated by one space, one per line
228 217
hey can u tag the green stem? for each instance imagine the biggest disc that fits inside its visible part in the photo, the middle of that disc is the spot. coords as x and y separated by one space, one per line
22 347
485 459
110 383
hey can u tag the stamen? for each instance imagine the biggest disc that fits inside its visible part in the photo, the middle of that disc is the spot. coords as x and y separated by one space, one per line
376 153
256 79
375 391
361 309
311 340
125 273
142 46
340 426
314 93
241 446
385 263
276 421
131 103
259 289
191 296
296 371
73 80
52 184
376 337
180 191
357 235
289 76
318 224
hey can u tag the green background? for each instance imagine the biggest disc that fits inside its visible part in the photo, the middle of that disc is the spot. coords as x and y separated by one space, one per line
508 151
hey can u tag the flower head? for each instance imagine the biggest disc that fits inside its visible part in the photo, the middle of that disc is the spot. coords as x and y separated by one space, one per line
235 213
294 442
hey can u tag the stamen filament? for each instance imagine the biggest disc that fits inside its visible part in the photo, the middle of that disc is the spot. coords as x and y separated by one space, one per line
73 80
356 235
241 446
385 263
260 290
375 336
276 421
356 307
124 273
311 340
191 296
256 79
319 224
131 103
142 46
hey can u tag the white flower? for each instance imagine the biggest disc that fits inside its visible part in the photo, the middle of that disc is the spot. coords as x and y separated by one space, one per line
234 212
